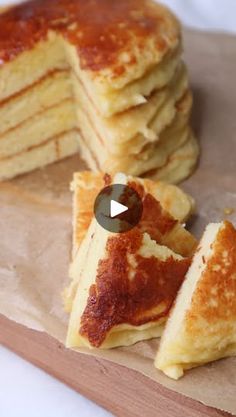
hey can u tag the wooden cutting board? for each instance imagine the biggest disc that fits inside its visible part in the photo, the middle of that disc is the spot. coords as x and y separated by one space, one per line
122 391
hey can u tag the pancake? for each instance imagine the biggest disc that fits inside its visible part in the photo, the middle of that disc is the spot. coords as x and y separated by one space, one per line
42 126
156 221
125 290
202 324
180 164
86 186
152 155
46 93
146 156
137 92
126 48
52 150
122 127
122 73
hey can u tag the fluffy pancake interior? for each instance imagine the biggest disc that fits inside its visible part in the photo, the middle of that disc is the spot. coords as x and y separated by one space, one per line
180 163
52 150
47 92
39 128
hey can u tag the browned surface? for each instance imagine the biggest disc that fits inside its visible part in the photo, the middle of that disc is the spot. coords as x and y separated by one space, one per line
87 185
99 36
122 391
214 299
115 299
155 218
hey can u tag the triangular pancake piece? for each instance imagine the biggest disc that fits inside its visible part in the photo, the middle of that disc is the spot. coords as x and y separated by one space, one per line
126 286
156 221
202 324
161 225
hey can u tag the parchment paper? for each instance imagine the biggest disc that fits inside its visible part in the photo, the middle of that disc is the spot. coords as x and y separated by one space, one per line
35 223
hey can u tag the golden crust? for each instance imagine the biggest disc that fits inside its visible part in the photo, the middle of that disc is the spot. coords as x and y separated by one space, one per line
115 299
118 44
214 299
85 186
175 201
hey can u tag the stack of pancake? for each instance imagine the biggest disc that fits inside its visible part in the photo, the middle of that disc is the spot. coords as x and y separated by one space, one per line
100 76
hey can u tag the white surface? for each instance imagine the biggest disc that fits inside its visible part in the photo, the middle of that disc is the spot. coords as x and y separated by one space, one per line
25 391
117 208
206 14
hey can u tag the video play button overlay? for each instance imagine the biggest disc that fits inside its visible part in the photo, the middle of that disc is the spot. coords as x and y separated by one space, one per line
118 208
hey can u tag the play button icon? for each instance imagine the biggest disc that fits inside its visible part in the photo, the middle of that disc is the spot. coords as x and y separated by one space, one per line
118 208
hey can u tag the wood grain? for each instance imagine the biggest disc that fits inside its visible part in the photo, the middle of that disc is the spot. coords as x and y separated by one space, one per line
122 391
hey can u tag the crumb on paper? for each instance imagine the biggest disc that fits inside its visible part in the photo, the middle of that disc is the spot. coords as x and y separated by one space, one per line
228 211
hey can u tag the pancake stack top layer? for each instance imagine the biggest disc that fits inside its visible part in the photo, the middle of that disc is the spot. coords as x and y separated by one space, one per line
105 75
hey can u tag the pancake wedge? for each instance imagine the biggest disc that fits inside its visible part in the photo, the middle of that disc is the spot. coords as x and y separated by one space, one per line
156 221
202 325
126 286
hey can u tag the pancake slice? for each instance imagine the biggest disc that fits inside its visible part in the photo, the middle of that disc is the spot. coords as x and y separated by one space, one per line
122 127
126 287
156 221
202 324
37 129
52 150
153 156
180 164
45 93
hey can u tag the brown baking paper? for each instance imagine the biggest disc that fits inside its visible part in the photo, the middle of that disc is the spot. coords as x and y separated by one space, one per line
35 224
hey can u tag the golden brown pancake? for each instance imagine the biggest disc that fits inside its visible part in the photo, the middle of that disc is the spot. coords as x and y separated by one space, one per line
128 39
121 70
125 289
202 324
